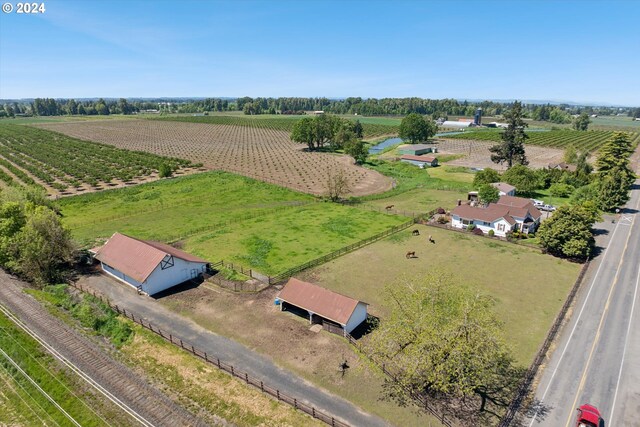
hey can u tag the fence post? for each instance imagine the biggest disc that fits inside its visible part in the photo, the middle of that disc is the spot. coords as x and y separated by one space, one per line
218 362
232 373
193 350
295 403
246 377
278 394
261 386
181 345
313 411
205 357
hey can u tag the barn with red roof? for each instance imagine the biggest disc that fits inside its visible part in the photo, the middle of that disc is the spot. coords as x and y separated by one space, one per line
322 305
148 266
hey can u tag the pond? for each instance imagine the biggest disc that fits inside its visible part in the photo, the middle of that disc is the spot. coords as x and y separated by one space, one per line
376 149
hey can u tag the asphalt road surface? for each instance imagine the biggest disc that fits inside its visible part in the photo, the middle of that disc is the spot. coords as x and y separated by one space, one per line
597 357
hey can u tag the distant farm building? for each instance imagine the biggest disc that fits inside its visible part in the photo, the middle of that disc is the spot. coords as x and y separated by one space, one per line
504 189
563 166
456 124
322 306
417 149
420 161
148 266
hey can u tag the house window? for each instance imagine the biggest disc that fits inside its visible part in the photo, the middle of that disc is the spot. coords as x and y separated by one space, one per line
467 222
500 227
488 224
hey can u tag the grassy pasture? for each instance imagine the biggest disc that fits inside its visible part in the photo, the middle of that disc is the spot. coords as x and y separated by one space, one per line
279 236
529 288
22 404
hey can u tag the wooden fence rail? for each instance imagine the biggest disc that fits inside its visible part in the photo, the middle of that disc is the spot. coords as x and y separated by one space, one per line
215 361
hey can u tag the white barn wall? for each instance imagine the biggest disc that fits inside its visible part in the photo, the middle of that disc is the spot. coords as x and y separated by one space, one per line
159 279
358 316
121 276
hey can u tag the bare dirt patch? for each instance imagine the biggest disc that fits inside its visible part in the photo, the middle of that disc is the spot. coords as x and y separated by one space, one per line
265 154
477 154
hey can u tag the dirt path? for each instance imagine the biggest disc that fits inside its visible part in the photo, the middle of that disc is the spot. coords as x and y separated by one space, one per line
120 381
230 352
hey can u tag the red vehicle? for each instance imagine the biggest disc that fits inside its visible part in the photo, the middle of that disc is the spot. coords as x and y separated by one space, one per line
588 416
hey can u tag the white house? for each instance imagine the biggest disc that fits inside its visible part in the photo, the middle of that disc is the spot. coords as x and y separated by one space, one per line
508 214
505 189
148 266
322 305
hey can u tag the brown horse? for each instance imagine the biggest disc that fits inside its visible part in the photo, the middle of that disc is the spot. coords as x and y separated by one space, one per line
410 254
389 207
415 232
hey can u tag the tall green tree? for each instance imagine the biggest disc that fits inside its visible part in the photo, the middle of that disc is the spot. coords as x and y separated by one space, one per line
486 176
613 189
488 194
615 153
511 149
568 232
357 149
444 344
415 128
303 132
581 122
524 179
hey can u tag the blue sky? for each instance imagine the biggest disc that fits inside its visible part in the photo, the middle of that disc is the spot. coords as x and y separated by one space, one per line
583 51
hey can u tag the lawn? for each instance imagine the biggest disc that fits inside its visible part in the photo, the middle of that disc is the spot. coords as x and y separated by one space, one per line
172 207
529 288
420 200
218 215
274 243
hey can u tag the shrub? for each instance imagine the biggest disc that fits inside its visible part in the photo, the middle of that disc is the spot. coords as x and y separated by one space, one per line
165 170
471 227
440 211
561 190
442 220
491 233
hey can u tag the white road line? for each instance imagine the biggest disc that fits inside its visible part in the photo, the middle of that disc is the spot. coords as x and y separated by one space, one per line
626 340
564 350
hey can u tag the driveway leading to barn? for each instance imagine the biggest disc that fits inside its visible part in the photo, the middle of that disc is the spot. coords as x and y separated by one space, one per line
229 351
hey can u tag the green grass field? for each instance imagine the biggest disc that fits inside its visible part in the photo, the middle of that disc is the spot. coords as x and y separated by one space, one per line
171 208
218 215
22 403
529 288
276 242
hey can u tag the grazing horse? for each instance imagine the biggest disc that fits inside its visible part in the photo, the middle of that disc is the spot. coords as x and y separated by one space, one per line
415 232
411 254
389 207
431 239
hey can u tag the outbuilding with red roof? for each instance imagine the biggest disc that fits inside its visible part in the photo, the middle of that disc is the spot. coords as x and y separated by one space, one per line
148 266
322 305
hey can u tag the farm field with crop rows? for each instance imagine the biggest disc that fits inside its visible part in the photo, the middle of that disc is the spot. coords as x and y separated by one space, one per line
67 165
218 215
580 140
258 152
372 127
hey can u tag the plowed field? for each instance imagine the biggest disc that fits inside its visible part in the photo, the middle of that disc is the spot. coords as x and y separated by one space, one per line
265 154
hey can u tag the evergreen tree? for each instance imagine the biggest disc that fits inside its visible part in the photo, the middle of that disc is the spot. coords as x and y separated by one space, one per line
511 149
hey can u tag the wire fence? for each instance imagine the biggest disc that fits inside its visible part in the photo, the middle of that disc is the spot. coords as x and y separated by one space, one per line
215 361
295 270
525 386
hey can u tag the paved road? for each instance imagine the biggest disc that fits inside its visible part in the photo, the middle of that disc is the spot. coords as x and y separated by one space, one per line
597 357
231 352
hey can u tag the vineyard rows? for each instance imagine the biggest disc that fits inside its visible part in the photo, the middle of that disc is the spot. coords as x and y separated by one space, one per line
285 124
261 153
589 140
61 162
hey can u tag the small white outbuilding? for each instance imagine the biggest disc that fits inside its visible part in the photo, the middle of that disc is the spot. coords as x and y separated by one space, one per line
148 266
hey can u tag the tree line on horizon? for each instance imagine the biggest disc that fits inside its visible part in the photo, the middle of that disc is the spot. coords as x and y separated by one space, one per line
294 105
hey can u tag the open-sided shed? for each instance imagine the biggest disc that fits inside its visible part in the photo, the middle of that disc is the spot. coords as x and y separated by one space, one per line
322 305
